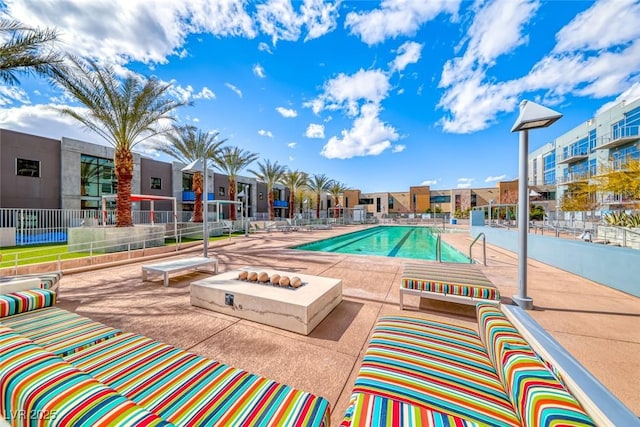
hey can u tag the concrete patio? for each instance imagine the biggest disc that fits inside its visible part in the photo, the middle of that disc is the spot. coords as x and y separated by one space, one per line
597 325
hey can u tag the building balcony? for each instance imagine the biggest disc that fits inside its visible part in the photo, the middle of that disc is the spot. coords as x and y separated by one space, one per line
573 178
573 157
621 136
280 204
190 196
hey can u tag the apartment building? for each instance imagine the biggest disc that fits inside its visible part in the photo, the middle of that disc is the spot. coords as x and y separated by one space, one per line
606 141
46 173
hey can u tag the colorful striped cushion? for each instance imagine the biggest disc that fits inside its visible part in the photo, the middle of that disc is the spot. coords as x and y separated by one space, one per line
447 288
539 398
435 366
23 301
59 331
187 389
460 279
367 410
36 382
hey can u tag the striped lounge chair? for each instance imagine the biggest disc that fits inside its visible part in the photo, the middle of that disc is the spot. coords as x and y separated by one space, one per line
63 365
461 283
417 372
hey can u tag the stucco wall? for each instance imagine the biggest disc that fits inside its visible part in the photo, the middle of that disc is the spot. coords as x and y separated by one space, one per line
612 266
29 191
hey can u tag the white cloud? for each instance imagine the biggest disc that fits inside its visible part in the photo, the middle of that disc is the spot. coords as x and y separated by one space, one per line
9 94
495 178
266 133
429 182
628 95
205 93
398 148
464 182
472 103
369 136
287 112
185 94
408 53
604 64
278 19
148 32
292 144
259 71
346 92
235 89
592 29
45 120
397 17
263 47
315 131
291 158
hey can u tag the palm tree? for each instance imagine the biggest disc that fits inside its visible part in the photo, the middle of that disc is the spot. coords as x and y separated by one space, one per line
124 113
319 184
294 181
231 160
271 174
336 189
26 50
187 144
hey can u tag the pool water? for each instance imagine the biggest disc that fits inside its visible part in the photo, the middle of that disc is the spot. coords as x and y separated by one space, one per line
394 241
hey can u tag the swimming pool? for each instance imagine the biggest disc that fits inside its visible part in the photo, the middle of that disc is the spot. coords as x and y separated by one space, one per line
388 241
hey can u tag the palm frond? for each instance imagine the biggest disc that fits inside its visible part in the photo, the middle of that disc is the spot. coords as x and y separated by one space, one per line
27 50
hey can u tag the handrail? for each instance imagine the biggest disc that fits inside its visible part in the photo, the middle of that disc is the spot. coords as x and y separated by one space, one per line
484 248
439 248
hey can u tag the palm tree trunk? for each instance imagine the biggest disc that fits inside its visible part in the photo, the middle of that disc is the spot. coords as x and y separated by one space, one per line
124 173
232 197
197 190
335 207
272 213
292 204
318 206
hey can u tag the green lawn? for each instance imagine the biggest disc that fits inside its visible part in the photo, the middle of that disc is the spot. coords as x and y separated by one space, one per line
34 254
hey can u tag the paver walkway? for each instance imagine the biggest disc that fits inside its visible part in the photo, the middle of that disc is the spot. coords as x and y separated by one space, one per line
598 325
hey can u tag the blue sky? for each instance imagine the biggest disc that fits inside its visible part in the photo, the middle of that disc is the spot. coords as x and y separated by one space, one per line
378 95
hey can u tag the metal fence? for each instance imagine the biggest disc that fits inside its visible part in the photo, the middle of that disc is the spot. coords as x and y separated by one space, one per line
37 226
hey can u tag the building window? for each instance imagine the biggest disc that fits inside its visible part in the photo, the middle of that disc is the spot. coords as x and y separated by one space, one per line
440 199
156 183
96 176
377 204
222 191
390 205
26 167
187 181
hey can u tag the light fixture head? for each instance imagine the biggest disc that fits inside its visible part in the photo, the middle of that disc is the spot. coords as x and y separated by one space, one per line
534 116
195 166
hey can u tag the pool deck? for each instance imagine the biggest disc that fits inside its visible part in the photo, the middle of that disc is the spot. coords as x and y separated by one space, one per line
596 324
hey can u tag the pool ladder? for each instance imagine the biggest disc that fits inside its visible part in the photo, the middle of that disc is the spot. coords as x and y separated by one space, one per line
484 248
439 248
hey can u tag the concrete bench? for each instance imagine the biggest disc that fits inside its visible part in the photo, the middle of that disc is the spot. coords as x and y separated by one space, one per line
176 265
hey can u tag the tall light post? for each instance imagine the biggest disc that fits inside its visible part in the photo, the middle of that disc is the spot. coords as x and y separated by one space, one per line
491 202
532 116
200 165
245 205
